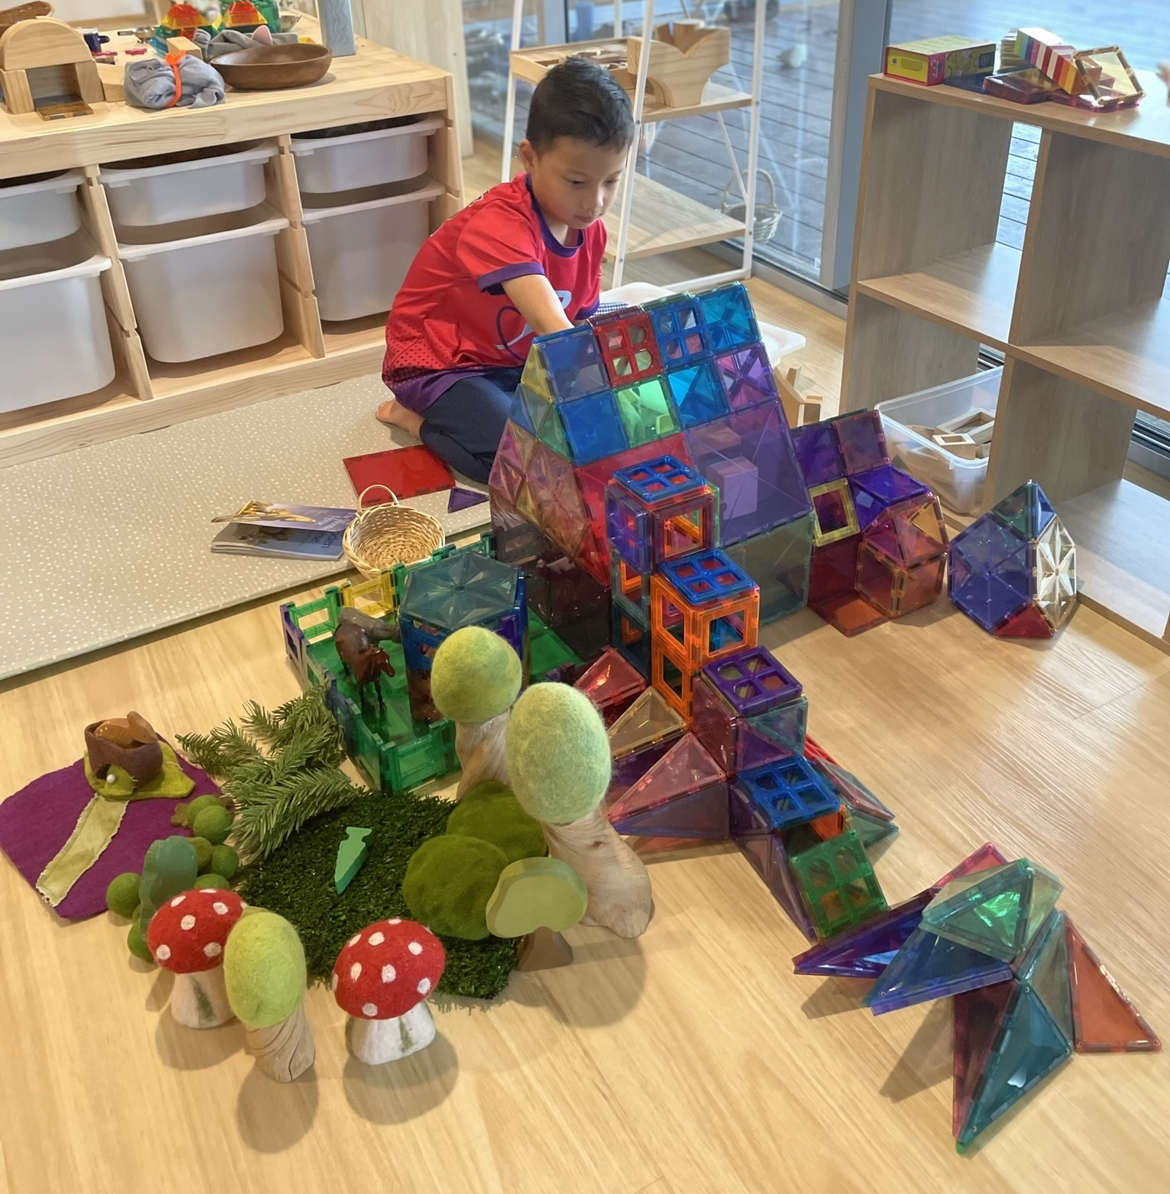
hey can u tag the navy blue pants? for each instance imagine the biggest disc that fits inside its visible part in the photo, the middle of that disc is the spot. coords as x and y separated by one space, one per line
464 424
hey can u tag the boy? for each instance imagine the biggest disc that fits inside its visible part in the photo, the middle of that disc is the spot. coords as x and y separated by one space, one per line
522 260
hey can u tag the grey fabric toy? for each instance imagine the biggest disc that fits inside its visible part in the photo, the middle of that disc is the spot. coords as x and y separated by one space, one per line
150 83
227 40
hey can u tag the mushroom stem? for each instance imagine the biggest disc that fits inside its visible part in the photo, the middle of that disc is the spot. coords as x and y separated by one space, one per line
200 1000
480 747
286 1050
375 1042
620 898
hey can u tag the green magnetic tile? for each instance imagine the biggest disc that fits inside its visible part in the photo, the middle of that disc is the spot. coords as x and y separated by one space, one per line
1045 968
838 883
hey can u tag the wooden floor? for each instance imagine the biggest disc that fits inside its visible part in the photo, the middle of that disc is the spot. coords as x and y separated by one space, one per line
691 1060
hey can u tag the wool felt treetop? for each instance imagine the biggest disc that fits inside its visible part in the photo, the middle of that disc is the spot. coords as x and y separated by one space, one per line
475 676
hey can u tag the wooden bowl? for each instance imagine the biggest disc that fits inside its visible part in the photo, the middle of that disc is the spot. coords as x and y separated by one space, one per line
269 68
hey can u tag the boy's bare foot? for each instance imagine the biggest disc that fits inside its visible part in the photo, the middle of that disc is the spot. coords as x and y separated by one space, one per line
395 414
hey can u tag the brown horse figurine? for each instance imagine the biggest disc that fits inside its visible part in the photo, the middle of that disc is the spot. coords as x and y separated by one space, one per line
356 639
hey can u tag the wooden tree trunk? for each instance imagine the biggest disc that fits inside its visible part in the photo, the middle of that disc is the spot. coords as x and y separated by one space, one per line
620 898
285 1051
480 747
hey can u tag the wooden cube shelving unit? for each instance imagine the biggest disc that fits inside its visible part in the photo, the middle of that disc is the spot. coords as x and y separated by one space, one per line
1078 313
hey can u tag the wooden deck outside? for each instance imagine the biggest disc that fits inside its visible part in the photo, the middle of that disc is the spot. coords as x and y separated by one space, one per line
689 155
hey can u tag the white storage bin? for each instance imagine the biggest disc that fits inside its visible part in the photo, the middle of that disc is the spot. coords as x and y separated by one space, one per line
34 211
357 160
186 186
957 482
361 251
210 290
54 339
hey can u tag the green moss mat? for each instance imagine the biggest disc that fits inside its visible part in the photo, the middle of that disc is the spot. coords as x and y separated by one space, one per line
297 882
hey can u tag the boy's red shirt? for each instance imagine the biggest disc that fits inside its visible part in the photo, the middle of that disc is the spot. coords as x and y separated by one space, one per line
451 316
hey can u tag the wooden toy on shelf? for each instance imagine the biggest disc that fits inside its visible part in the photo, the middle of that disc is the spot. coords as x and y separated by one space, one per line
59 56
683 56
799 408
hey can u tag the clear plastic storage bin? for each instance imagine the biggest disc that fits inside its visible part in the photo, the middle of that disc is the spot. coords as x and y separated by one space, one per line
361 249
186 186
207 288
54 339
349 162
957 482
39 209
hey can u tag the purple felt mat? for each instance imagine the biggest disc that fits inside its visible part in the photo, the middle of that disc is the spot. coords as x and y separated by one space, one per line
37 821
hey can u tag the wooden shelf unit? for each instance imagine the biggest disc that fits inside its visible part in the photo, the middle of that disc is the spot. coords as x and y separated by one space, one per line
374 84
1078 313
662 220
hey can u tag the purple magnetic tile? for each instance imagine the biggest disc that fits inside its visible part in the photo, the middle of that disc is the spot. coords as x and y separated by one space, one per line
761 437
929 967
464 499
630 768
861 440
991 572
865 951
738 482
879 488
818 454
752 681
746 376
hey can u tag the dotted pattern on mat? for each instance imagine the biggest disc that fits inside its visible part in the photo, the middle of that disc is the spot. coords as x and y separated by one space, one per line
109 542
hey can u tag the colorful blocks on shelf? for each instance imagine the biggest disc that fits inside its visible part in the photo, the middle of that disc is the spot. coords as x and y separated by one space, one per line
746 376
728 317
627 345
679 329
837 883
593 427
696 392
565 365
788 792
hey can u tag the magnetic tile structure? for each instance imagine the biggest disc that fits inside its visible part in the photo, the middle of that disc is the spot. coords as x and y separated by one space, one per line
611 684
879 542
1027 991
1014 570
683 794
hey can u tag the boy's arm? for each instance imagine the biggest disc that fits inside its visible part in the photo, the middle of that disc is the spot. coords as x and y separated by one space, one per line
535 299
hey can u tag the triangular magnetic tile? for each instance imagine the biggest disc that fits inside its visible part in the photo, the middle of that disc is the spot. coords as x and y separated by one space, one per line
1104 1020
1028 1046
929 967
464 499
783 886
1045 968
870 830
1026 510
983 859
701 814
649 719
976 1015
866 950
610 680
852 791
1028 623
684 769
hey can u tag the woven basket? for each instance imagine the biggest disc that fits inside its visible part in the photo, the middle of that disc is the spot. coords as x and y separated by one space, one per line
767 214
389 533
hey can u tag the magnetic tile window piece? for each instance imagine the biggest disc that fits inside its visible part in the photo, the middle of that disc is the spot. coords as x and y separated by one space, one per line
833 510
789 792
837 883
627 346
679 329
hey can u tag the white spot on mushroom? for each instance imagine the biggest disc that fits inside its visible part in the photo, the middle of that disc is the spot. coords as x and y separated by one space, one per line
424 985
369 1009
355 971
162 953
377 938
389 974
220 907
394 920
336 979
187 923
213 949
177 901
415 948
354 939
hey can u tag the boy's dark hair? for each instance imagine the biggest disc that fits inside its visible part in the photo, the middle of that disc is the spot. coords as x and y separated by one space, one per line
578 99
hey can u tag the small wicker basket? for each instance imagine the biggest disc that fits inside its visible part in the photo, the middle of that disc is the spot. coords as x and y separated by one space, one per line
768 215
389 533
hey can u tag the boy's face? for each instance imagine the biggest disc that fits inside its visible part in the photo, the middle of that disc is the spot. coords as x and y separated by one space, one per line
574 182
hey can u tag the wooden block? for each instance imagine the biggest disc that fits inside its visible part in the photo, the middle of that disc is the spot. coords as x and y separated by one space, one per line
544 949
798 409
676 74
18 98
42 42
184 45
113 83
536 893
958 445
89 83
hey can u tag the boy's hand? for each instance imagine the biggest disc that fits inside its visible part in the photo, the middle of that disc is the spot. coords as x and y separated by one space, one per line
535 299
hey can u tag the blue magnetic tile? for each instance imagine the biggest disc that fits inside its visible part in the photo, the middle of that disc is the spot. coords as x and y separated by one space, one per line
788 792
679 330
706 576
929 967
518 412
879 488
818 454
728 316
573 363
592 427
991 572
697 393
865 951
656 480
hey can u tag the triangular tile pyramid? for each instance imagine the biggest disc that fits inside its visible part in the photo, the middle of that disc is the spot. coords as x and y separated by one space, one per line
976 1014
1028 623
866 950
683 795
1028 1046
649 719
1104 1020
982 859
610 679
1026 510
929 967
1045 968
464 499
998 911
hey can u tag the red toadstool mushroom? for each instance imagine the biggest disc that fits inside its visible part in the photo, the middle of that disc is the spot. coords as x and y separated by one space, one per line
187 936
382 978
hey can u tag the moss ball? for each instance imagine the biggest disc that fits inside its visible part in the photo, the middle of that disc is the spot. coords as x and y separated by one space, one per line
491 812
211 879
264 970
202 853
475 675
122 894
448 883
558 753
196 806
224 861
136 942
214 824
